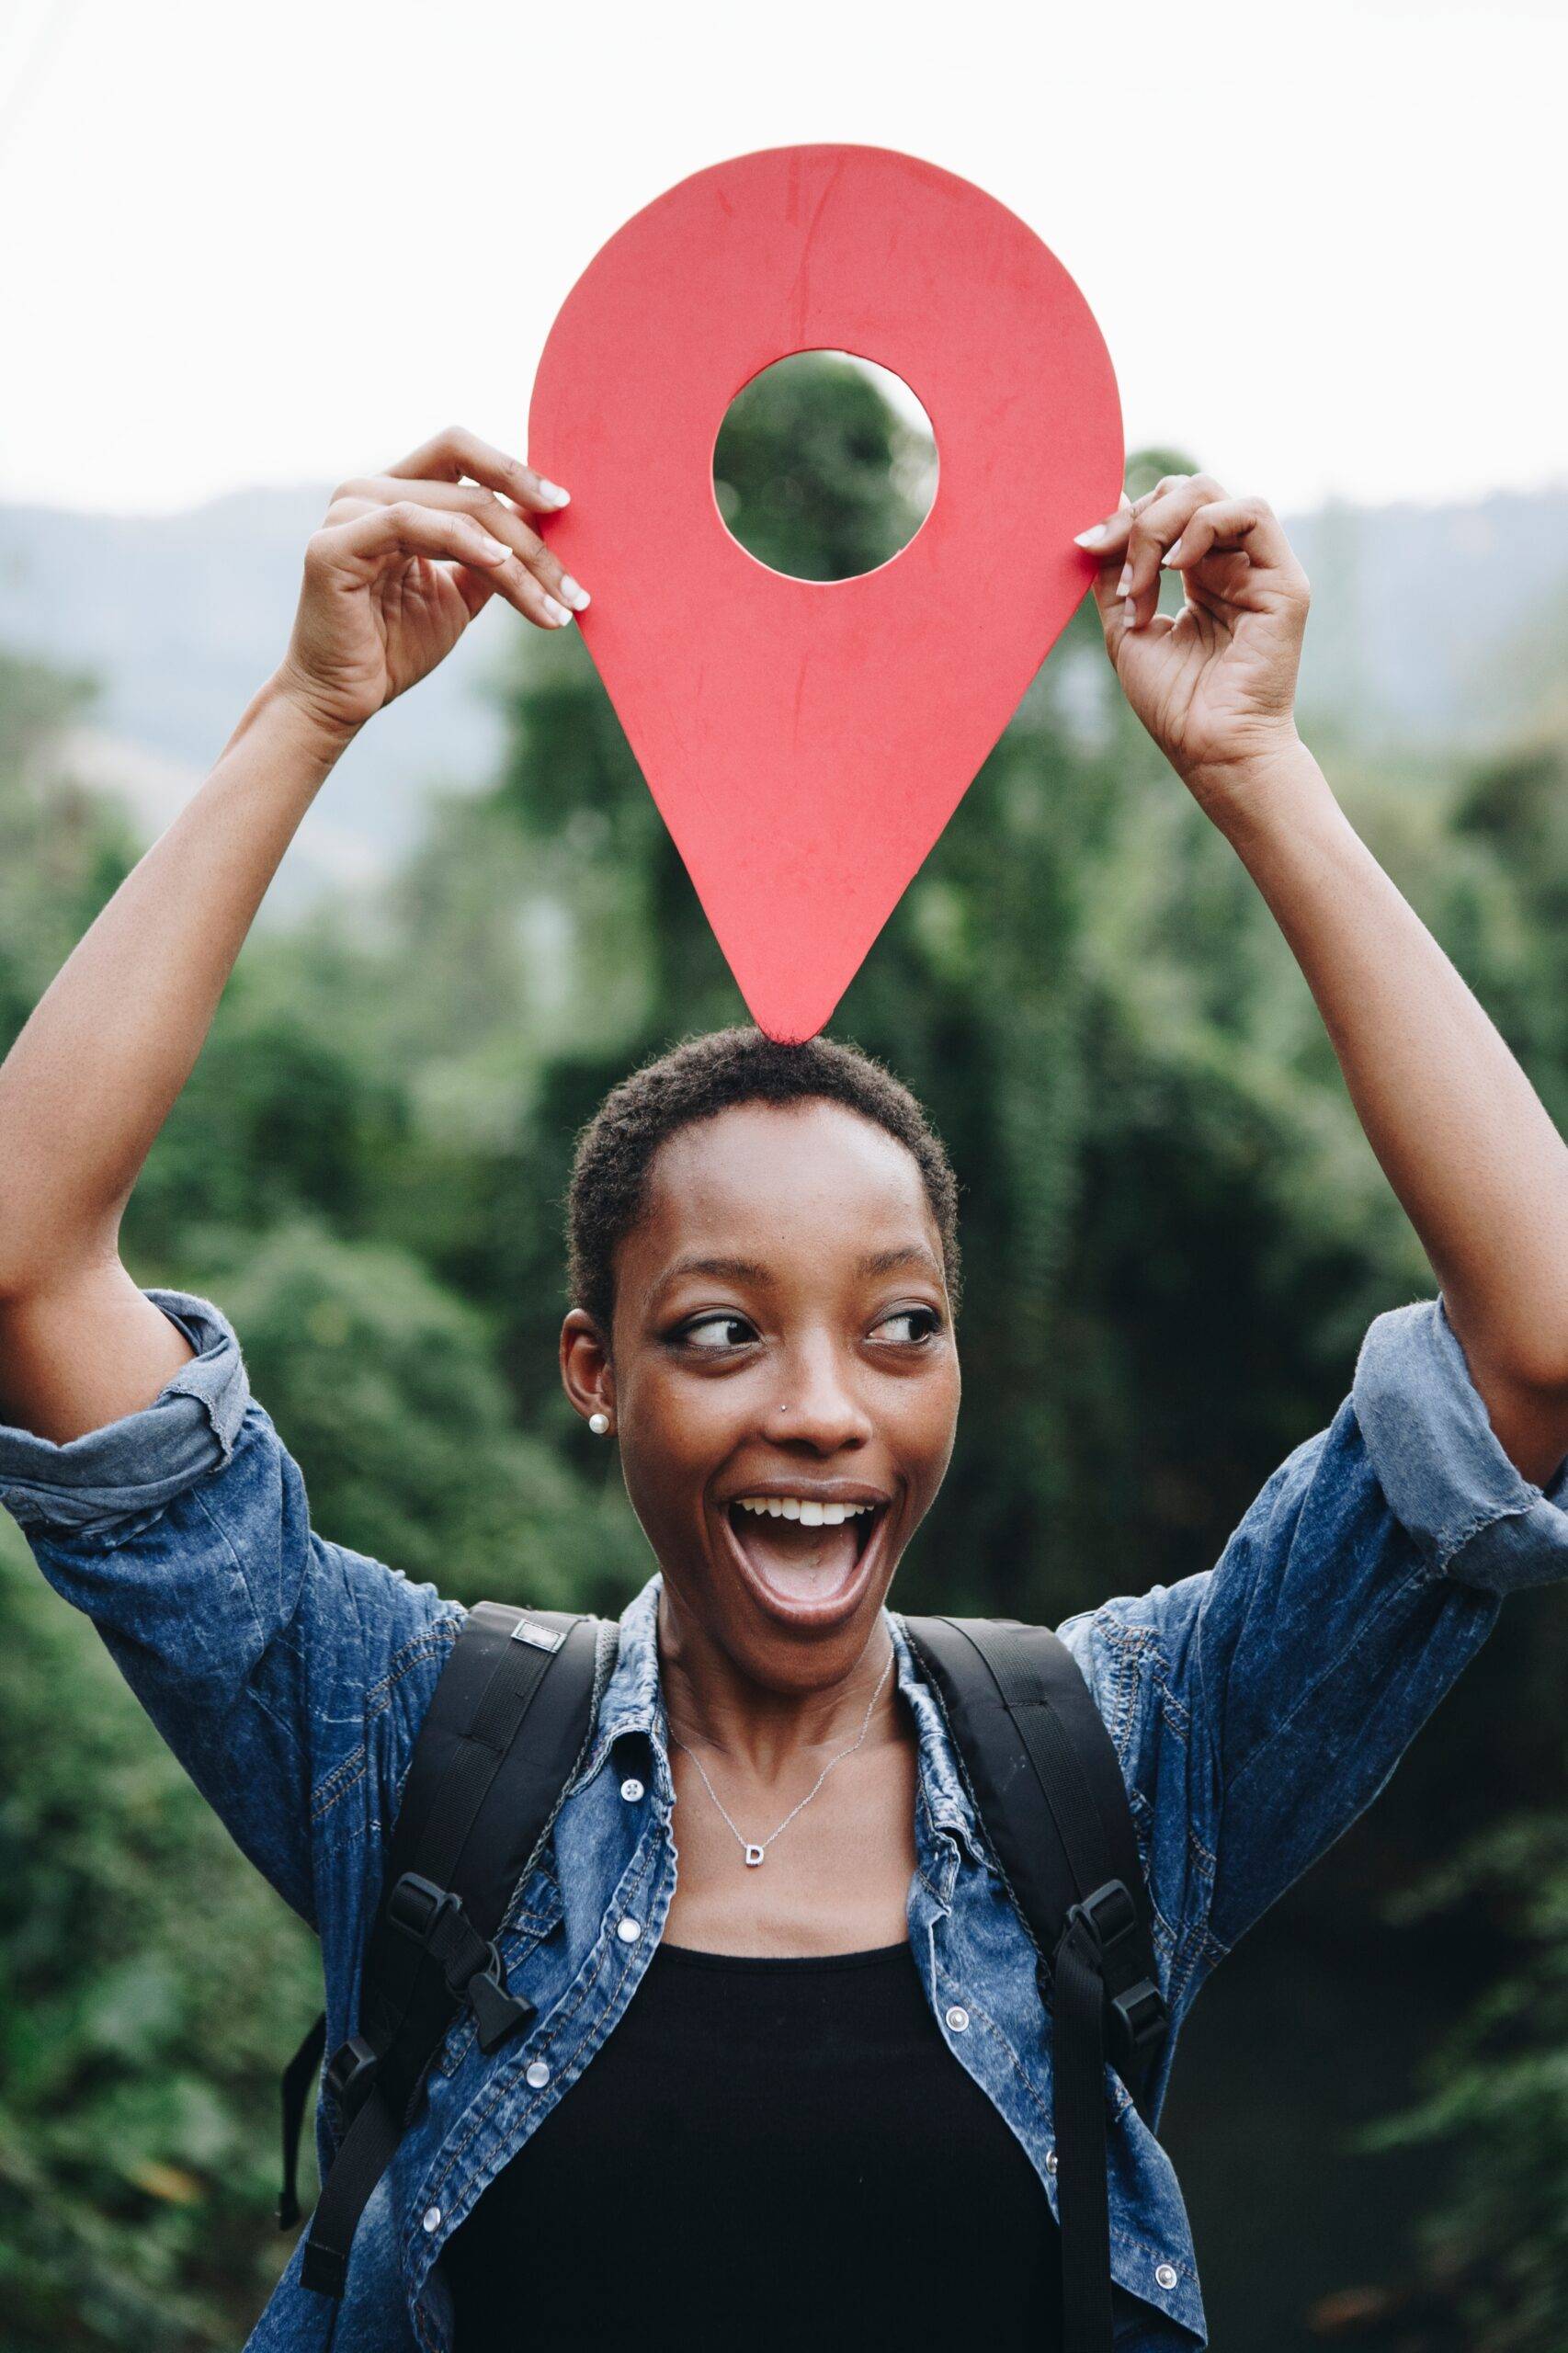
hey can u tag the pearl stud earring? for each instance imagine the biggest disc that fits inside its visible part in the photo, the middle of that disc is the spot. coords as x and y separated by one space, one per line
599 1425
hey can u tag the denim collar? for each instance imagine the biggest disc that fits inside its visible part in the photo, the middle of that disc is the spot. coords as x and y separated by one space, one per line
632 1706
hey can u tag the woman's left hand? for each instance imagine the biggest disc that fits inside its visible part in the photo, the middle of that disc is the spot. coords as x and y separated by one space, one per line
1215 684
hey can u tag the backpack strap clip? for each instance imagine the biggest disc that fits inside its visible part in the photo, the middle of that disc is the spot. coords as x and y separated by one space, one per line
348 2075
1136 2015
435 1918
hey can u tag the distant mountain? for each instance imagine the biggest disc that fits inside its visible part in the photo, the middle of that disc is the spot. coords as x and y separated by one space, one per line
1435 624
1429 624
181 617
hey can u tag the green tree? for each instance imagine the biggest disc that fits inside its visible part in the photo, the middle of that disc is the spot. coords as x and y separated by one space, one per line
150 1985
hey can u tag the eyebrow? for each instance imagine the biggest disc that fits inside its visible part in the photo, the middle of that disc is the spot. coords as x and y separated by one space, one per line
747 1270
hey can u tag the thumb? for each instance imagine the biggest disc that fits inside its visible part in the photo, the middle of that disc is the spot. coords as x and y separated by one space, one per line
1110 559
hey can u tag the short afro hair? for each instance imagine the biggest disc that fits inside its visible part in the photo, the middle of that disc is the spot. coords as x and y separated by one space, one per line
696 1080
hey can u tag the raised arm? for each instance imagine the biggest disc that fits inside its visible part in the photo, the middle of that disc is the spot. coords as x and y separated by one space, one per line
403 563
1461 1133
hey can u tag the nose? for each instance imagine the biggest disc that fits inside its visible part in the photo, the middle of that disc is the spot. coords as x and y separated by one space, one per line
816 1403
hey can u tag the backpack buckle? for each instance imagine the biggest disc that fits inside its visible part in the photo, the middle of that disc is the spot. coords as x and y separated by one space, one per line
495 2011
1108 1914
1140 2019
349 2076
1136 2017
434 1916
419 1906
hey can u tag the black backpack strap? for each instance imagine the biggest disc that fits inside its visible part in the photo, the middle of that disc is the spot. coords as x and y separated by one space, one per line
1048 1783
506 1728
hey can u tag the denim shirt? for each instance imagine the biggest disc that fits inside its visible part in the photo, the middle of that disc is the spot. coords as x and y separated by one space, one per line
1257 1708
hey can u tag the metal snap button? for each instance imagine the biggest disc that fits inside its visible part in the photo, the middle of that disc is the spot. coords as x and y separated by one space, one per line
629 1930
1051 2161
432 2218
1165 2275
958 2018
633 1789
537 2075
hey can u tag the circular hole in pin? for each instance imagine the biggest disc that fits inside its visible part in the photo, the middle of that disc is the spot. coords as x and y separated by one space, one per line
824 466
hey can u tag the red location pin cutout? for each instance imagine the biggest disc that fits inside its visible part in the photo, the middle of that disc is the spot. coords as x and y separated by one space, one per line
806 741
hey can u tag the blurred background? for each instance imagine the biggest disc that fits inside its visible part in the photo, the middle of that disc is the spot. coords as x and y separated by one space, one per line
265 251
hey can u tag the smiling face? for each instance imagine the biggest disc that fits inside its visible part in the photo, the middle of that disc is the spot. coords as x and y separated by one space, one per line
783 1379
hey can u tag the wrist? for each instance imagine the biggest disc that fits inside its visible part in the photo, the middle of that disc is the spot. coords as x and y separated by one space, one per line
289 705
1273 781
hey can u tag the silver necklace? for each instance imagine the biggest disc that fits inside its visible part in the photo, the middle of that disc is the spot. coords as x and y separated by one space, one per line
757 1852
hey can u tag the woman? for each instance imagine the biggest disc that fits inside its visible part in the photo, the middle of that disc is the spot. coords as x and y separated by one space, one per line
828 2106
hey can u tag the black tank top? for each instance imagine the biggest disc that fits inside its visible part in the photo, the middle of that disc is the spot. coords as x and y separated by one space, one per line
765 2154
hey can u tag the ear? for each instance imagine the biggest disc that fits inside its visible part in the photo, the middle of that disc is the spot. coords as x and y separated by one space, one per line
586 1373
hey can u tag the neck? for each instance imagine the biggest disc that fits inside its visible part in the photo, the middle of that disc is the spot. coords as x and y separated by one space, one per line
712 1703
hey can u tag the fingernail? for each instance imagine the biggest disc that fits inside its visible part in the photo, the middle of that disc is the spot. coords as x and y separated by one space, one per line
1173 553
1093 537
553 492
1128 613
494 549
1125 583
575 595
558 613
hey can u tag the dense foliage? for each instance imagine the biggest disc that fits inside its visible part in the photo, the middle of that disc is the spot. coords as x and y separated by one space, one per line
1174 1235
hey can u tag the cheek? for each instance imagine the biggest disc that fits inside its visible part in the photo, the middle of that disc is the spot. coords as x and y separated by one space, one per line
682 1413
674 1433
927 1428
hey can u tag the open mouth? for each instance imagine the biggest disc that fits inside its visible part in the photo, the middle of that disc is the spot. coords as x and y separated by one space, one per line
806 1559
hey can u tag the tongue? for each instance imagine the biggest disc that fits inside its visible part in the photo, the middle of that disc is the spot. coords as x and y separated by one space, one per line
811 1562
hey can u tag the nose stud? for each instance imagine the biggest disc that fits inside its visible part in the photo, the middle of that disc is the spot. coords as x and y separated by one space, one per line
599 1425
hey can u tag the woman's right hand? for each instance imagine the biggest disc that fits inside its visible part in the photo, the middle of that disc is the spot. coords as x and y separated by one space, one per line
402 564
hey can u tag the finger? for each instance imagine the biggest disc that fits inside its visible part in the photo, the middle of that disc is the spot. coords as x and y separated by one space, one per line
1229 526
501 520
1106 542
1112 561
408 528
476 588
1106 538
456 452
1158 522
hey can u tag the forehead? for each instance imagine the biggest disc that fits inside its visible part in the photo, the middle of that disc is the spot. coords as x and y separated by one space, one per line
781 1178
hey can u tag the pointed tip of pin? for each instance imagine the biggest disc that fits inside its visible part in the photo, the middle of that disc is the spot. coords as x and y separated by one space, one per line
791 1000
790 1034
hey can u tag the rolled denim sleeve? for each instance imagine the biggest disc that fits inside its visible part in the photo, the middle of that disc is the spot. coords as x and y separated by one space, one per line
1438 1463
288 1674
1260 1706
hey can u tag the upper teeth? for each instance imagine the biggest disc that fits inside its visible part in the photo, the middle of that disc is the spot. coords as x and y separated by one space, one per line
813 1515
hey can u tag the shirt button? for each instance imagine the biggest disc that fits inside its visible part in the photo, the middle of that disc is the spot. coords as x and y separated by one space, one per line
1165 2275
632 1790
537 2075
958 2018
629 1930
432 2218
1051 2161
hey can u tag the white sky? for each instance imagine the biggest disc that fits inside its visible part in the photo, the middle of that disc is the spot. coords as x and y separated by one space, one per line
264 244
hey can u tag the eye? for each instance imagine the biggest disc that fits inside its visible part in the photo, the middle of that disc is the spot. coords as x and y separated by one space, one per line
710 1334
919 1323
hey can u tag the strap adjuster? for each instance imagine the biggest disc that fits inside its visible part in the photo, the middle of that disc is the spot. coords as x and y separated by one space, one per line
419 1906
1140 2019
434 1916
349 2076
1136 2017
1108 1914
